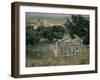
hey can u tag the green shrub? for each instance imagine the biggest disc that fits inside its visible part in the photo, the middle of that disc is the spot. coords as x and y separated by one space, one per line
84 57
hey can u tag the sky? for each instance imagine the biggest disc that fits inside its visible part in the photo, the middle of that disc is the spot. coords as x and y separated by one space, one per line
51 17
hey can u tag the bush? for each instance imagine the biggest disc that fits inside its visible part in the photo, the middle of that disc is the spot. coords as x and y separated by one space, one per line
84 57
32 37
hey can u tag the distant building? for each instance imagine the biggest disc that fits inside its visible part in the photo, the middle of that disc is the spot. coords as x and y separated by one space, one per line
43 22
37 23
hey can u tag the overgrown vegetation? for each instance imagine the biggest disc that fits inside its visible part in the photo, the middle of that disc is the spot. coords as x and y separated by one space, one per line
42 55
33 36
40 40
78 25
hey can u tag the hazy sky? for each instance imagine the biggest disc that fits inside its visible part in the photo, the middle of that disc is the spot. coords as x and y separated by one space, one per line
49 16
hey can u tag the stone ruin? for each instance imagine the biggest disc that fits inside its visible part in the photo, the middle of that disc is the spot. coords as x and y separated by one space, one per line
68 46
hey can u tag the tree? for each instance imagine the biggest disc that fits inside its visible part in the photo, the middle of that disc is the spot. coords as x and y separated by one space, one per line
58 28
78 25
58 31
47 33
51 32
32 37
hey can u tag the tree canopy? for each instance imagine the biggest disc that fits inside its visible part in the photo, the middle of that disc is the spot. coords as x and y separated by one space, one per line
50 33
75 25
78 25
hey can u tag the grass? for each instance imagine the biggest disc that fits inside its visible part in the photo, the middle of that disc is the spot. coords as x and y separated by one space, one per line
84 57
42 55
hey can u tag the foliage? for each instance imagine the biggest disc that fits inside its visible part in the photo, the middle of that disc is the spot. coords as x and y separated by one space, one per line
33 36
58 32
43 55
84 57
53 32
78 25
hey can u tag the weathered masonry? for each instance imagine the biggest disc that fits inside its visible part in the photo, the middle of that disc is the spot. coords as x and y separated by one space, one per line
68 46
